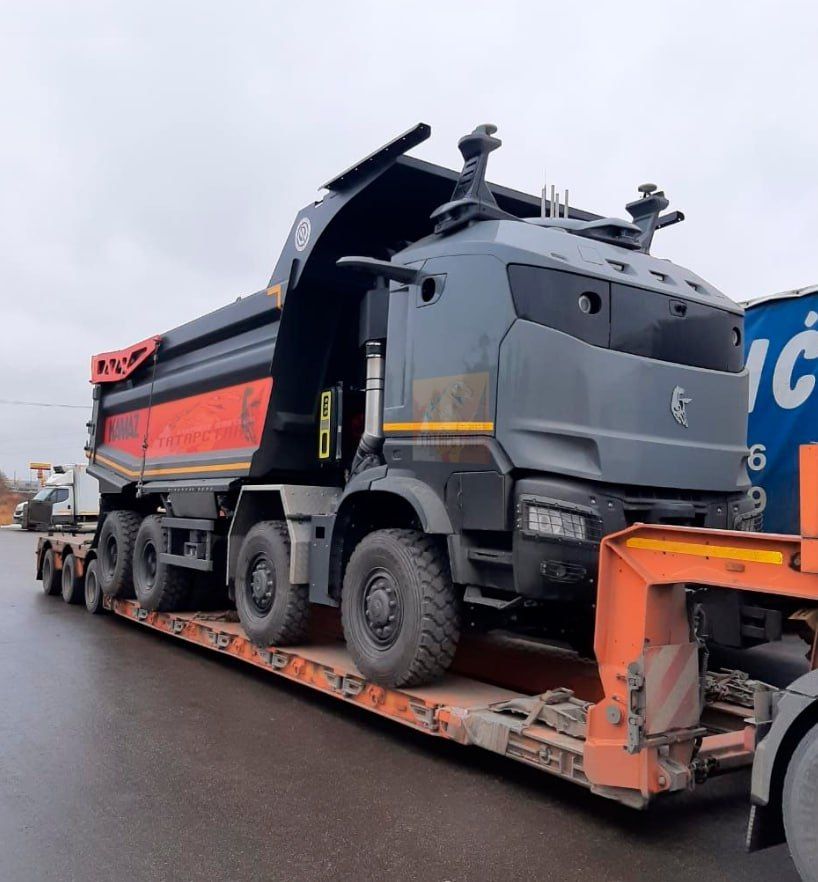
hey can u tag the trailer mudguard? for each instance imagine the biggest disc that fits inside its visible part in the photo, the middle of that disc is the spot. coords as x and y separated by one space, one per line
795 712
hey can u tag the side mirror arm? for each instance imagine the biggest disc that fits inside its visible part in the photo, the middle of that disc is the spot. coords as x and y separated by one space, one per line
381 269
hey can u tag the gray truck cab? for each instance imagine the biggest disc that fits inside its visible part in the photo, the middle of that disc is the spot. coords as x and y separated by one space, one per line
552 382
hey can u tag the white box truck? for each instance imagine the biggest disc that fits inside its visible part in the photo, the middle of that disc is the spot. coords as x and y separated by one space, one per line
69 498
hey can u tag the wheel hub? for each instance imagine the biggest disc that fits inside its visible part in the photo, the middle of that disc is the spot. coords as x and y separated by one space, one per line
261 585
111 553
149 562
382 608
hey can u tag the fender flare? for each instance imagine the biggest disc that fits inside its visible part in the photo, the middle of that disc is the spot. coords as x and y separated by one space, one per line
421 499
296 504
427 504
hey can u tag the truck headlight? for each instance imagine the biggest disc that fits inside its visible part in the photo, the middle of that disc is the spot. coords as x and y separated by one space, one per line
547 520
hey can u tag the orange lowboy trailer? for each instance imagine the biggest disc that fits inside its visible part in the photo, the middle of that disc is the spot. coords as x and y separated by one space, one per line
645 719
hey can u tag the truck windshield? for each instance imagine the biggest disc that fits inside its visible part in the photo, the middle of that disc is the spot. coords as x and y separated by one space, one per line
43 495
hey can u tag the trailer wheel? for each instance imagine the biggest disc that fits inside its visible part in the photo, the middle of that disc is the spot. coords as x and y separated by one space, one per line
800 806
115 550
157 585
271 609
93 593
51 582
399 608
72 587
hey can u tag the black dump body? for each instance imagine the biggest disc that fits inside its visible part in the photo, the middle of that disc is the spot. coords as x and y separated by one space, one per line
234 394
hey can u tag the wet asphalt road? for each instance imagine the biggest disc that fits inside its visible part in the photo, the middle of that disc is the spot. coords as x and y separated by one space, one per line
128 756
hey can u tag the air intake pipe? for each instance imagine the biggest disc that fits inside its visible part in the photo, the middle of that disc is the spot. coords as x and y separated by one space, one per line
370 446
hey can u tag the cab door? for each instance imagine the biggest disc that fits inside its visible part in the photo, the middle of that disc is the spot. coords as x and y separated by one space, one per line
62 506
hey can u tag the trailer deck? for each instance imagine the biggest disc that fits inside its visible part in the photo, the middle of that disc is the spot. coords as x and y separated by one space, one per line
546 730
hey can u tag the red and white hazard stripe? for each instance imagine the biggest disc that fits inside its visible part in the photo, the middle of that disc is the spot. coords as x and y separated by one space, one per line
672 699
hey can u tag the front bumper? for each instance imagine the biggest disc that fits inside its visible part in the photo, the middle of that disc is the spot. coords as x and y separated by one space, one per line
561 560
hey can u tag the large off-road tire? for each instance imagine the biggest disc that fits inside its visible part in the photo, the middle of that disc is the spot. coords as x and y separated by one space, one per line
92 592
115 553
72 584
399 608
157 585
271 609
51 575
800 806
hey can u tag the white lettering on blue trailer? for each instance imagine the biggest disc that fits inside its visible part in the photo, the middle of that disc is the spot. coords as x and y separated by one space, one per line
782 362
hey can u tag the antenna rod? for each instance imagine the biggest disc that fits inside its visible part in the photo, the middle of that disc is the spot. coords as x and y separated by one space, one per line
565 210
543 194
553 199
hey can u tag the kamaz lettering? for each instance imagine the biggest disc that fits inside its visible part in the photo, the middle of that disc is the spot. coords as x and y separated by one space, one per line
119 428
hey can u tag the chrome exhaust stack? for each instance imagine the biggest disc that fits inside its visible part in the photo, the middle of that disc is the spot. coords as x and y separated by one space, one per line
371 443
373 419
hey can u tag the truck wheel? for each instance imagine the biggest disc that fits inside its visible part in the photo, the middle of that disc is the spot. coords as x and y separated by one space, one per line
72 587
116 544
51 582
271 609
399 608
93 593
157 585
800 806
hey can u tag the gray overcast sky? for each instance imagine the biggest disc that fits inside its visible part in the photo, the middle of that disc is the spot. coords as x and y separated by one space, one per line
153 155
